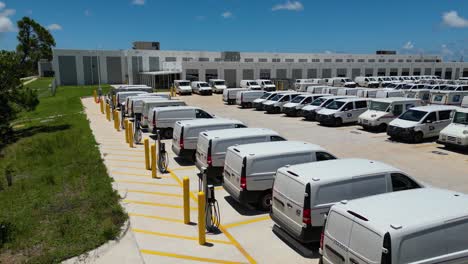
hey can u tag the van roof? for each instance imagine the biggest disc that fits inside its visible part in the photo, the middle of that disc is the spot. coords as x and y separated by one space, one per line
207 121
275 147
352 99
175 108
237 132
132 92
340 97
429 108
336 170
394 99
422 207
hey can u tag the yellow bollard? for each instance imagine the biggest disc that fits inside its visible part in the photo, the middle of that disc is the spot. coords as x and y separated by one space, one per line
114 101
201 219
108 112
130 134
102 105
154 173
147 156
95 96
126 130
114 113
117 120
186 185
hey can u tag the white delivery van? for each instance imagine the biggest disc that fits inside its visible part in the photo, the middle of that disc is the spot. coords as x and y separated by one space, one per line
341 82
148 105
342 111
420 93
275 104
368 92
267 85
421 122
249 169
305 83
331 90
456 134
250 84
368 82
389 93
304 193
135 105
316 89
258 103
212 145
230 94
384 110
246 98
310 111
130 99
127 88
423 226
465 102
347 91
164 118
456 87
201 88
185 136
217 85
299 102
183 87
445 97
121 96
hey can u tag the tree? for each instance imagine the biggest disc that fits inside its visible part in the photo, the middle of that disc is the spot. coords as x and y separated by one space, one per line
14 97
35 43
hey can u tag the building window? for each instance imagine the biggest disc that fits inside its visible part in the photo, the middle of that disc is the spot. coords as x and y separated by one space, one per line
187 59
289 60
276 60
349 60
218 59
203 59
391 60
408 60
361 60
339 60
262 60
315 60
328 60
248 60
170 59
381 60
371 60
401 60
418 61
302 60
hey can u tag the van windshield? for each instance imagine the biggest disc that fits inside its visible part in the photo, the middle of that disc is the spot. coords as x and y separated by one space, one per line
267 82
253 83
184 83
276 97
335 105
379 106
204 85
265 95
298 99
318 101
460 118
450 88
219 83
413 115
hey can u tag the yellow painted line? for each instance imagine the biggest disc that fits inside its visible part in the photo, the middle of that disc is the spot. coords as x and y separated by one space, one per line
178 236
157 218
133 161
150 183
219 188
193 258
225 232
157 204
136 174
156 193
426 145
246 222
184 168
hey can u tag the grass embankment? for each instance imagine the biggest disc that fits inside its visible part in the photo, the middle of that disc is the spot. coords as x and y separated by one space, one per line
55 194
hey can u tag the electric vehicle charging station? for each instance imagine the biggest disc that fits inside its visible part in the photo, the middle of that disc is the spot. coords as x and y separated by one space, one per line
212 213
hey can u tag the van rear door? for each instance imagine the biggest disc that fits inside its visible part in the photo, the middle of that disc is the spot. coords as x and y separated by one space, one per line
233 170
336 238
202 150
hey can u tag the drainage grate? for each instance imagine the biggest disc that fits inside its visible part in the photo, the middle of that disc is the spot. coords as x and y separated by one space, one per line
439 153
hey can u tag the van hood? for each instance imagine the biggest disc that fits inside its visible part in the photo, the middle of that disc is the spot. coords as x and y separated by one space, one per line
185 87
455 130
220 86
255 87
373 82
269 86
205 88
326 111
372 115
269 102
290 105
311 108
259 100
403 123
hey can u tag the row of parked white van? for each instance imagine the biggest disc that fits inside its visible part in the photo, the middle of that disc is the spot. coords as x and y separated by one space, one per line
218 86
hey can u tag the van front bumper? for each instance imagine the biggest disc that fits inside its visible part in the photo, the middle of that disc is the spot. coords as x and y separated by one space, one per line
206 92
308 115
271 109
308 234
400 133
325 119
290 111
258 106
453 142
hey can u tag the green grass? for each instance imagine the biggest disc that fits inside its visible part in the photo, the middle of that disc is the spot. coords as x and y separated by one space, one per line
61 202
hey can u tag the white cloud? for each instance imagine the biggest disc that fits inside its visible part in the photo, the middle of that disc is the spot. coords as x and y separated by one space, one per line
6 25
87 12
452 19
289 5
53 27
408 45
138 2
226 14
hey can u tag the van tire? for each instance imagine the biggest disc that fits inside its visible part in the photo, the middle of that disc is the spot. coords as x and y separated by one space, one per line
418 137
338 122
167 133
265 201
383 127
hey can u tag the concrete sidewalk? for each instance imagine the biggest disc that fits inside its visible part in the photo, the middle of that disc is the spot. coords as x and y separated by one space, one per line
157 233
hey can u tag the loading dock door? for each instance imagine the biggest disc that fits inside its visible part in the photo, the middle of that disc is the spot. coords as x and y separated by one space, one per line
230 78
114 70
67 66
247 74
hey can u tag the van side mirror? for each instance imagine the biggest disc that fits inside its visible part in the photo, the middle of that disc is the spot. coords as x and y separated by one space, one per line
429 121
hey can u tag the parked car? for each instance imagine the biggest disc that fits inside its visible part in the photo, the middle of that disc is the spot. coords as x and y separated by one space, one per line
418 226
446 97
185 135
304 193
456 133
368 82
249 169
164 118
212 145
183 87
384 110
217 85
230 95
246 98
421 122
201 88
121 96
342 111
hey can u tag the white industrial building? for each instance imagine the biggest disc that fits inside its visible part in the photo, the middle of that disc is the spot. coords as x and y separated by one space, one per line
159 67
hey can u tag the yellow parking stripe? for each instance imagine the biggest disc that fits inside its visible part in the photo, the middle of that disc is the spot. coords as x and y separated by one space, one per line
137 174
157 204
158 218
255 220
178 236
156 193
193 258
149 183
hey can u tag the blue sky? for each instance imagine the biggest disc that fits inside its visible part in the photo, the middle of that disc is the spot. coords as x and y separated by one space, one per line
338 26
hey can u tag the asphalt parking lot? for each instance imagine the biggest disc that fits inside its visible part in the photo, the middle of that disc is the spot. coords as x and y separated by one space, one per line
154 205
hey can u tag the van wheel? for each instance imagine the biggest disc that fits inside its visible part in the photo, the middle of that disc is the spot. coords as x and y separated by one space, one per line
167 133
264 203
338 122
418 137
383 127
